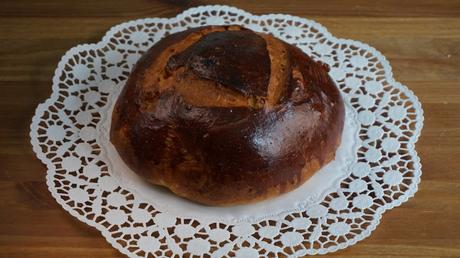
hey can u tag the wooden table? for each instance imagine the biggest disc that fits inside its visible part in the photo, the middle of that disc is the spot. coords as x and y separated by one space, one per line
420 38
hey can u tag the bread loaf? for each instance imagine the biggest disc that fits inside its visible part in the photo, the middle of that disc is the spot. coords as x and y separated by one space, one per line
222 115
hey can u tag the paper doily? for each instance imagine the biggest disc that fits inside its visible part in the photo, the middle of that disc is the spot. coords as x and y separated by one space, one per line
68 130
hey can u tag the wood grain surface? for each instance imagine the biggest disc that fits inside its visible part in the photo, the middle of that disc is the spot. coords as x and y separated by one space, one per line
421 39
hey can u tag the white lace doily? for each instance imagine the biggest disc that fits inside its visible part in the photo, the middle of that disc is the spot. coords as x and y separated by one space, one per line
377 167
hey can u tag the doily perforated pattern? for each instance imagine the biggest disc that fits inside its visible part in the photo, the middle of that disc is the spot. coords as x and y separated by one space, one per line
385 172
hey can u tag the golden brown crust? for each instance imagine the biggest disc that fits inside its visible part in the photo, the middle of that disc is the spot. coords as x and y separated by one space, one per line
279 62
222 115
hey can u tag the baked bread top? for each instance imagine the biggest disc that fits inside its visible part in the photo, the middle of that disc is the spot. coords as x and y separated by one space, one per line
223 115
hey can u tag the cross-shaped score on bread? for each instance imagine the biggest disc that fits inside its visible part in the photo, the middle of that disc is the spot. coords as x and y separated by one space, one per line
223 115
165 73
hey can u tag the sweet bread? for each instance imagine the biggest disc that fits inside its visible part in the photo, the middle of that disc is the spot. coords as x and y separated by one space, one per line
222 115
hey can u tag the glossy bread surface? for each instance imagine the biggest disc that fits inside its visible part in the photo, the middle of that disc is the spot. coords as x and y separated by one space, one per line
223 115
